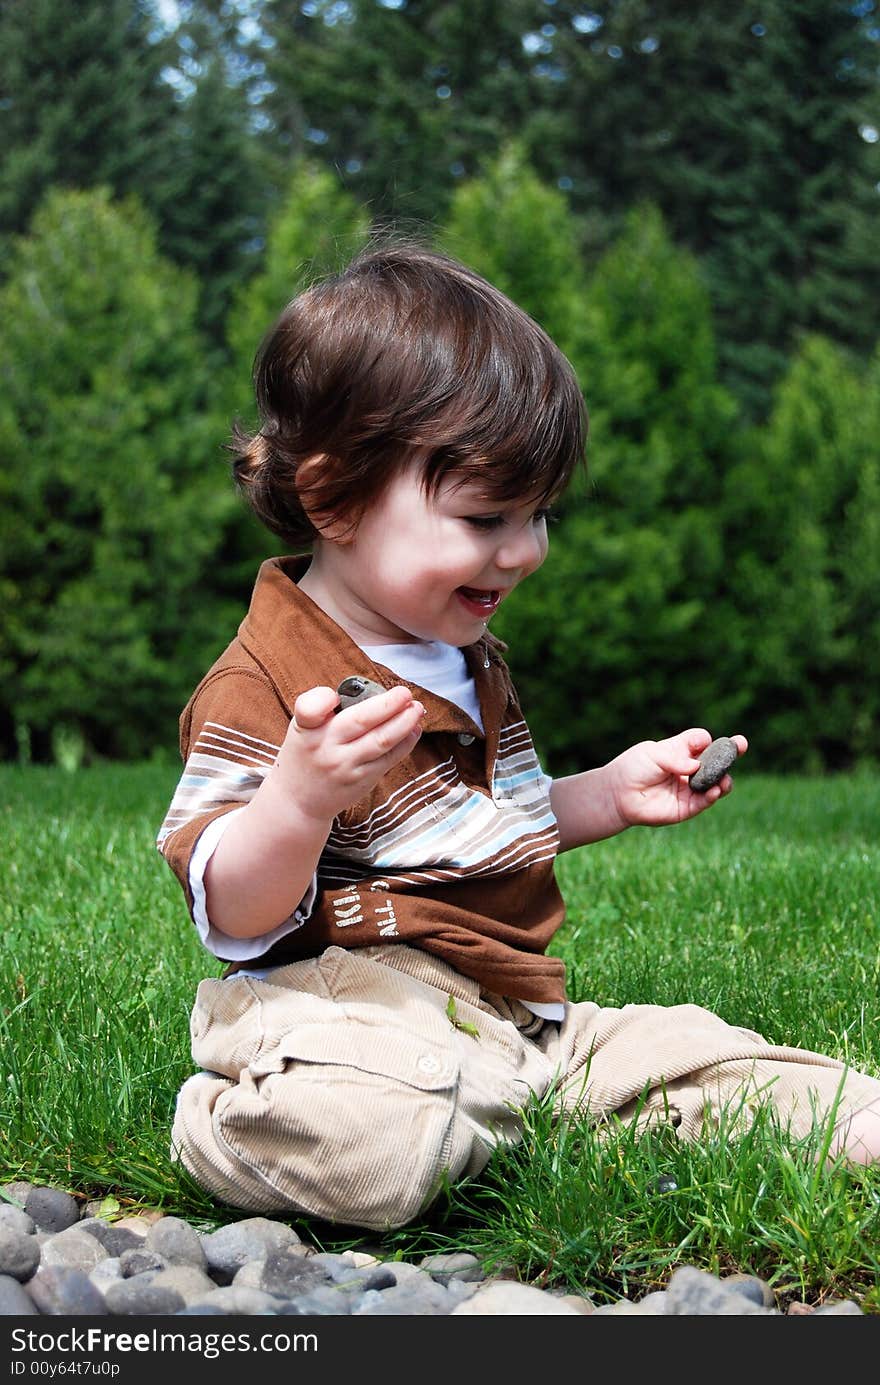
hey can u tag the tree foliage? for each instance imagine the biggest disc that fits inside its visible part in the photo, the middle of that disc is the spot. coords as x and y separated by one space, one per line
685 197
111 501
83 103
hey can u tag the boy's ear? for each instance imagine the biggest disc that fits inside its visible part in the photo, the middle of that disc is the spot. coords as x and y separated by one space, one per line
335 528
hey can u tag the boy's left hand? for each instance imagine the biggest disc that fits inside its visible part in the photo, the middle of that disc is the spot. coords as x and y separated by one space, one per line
649 782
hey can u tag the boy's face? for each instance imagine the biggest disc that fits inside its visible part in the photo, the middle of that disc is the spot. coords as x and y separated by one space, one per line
420 568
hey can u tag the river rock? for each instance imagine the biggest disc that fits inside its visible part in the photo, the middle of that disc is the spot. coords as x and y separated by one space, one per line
19 1254
61 1291
137 1297
114 1239
513 1300
177 1242
715 761
73 1248
15 1302
692 1292
230 1247
16 1219
52 1209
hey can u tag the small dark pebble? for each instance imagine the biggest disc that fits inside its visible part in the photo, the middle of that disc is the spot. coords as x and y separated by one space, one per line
665 1184
750 1288
356 689
715 761
51 1209
114 1239
138 1260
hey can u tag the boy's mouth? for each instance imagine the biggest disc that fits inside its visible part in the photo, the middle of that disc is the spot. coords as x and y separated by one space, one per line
478 601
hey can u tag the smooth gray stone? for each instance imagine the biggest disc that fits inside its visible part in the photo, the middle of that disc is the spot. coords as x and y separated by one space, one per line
846 1308
73 1248
52 1209
754 1289
232 1246
427 1299
139 1260
507 1298
16 1219
715 761
692 1292
105 1272
352 1278
61 1291
287 1275
235 1299
17 1193
621 1308
326 1301
460 1289
456 1265
114 1239
652 1305
15 1302
133 1297
191 1283
338 1269
19 1254
177 1242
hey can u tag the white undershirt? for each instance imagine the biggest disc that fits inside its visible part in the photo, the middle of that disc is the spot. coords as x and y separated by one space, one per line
443 670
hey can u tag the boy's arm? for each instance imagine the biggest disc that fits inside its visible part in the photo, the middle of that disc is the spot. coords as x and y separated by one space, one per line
265 860
647 785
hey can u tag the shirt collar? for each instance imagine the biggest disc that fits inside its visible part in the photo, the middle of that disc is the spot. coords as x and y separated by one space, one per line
299 646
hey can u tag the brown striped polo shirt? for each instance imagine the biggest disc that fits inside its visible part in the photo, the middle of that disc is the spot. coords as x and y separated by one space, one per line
453 851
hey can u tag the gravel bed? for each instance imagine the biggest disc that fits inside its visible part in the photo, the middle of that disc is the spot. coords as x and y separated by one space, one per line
60 1258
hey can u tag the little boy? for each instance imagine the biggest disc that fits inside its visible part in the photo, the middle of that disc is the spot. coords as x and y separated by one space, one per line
380 876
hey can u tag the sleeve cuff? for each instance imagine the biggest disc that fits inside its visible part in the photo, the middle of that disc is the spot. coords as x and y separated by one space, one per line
220 944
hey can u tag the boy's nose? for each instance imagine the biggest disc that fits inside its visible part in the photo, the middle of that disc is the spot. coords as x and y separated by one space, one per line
523 550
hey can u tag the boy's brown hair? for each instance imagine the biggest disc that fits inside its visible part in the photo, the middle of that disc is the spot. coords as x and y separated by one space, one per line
405 352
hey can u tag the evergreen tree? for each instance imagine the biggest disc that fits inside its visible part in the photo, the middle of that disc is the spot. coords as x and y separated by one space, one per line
215 224
317 228
83 103
744 128
401 99
110 505
521 236
803 524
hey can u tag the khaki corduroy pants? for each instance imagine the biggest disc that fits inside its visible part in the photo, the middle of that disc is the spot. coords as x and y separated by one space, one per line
339 1087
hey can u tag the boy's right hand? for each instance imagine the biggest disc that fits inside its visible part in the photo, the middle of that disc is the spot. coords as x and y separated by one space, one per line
328 762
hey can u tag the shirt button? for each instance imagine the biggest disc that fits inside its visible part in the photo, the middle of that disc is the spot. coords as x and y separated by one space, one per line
428 1063
465 738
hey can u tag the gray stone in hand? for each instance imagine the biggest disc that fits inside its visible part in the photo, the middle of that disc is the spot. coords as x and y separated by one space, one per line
356 689
715 761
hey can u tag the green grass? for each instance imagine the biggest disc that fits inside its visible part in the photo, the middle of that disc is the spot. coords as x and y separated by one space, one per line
767 910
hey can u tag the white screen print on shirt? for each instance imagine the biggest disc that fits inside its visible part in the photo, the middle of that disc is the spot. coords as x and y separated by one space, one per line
441 669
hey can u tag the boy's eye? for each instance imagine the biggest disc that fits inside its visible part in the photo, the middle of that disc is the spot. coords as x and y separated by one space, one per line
544 515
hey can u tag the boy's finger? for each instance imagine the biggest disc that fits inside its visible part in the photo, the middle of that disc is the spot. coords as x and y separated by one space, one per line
396 738
364 717
314 707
